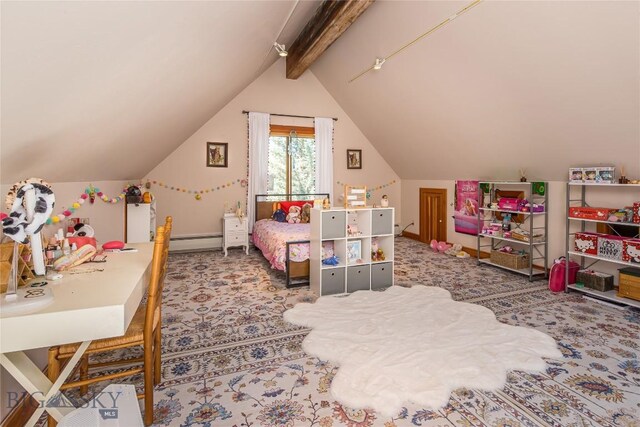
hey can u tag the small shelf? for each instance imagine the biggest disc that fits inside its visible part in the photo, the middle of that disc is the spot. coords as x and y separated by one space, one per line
527 221
512 212
329 229
523 271
632 224
608 296
595 184
508 182
329 267
511 240
631 264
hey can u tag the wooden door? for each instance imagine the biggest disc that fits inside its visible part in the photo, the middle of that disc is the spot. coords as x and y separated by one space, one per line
433 214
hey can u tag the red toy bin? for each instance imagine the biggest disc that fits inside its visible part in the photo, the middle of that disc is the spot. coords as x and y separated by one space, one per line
587 243
600 214
631 250
557 274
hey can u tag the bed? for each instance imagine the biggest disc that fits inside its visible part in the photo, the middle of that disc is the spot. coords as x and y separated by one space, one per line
284 245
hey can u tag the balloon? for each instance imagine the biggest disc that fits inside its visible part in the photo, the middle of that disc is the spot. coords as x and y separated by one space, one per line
434 245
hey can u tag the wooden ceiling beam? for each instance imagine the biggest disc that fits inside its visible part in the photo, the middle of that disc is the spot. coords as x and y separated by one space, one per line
332 18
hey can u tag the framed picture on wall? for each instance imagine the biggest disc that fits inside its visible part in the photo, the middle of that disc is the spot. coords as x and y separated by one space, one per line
354 159
217 154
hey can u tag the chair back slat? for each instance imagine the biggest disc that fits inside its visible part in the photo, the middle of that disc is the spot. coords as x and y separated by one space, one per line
158 271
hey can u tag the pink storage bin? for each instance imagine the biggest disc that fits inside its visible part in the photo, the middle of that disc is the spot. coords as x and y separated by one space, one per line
510 203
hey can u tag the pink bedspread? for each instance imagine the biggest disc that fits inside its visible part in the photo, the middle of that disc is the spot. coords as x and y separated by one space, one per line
271 236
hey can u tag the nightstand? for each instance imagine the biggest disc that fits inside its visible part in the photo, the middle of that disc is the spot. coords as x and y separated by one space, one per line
235 232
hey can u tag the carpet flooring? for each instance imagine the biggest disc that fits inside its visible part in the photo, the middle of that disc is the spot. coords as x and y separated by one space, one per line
229 358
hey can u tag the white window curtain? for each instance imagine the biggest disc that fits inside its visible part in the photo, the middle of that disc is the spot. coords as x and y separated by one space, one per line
258 160
324 156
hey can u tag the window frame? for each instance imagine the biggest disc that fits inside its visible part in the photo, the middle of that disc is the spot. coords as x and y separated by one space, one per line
286 131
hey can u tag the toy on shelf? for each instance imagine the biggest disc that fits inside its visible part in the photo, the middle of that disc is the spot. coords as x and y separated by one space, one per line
377 255
333 260
352 230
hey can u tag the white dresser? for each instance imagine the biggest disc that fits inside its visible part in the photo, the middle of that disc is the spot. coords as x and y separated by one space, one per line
235 232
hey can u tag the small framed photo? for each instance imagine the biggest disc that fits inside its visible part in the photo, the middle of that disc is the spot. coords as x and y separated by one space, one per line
354 159
217 154
354 251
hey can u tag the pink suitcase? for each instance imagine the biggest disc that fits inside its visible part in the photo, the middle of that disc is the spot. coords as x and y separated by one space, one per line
556 275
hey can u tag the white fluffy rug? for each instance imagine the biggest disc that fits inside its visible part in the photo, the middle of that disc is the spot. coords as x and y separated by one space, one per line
414 344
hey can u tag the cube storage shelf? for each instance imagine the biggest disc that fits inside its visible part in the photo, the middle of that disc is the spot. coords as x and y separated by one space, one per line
537 251
351 232
611 296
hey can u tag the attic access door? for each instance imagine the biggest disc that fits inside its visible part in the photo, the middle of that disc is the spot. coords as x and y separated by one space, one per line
433 214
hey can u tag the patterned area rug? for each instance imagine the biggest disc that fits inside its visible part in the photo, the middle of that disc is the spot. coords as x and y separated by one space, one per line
229 359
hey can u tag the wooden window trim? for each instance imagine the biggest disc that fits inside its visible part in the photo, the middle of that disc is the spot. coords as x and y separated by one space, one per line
285 130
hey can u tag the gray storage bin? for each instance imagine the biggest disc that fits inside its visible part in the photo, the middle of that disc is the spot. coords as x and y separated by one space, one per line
381 221
381 275
358 278
332 281
334 225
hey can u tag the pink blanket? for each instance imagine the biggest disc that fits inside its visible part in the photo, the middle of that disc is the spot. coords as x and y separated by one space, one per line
271 237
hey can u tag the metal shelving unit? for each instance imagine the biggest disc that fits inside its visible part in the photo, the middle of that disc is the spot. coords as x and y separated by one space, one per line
582 201
537 250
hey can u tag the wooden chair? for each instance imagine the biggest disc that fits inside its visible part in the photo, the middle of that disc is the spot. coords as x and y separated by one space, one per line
144 330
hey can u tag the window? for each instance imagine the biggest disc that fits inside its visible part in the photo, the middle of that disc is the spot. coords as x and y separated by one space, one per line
292 160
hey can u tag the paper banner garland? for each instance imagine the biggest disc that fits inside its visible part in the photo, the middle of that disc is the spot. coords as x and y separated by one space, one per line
88 192
199 193
91 192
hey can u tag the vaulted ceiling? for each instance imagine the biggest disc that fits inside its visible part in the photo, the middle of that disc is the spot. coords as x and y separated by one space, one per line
106 90
540 85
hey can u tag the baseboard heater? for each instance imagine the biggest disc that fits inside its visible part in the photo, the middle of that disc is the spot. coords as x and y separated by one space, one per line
195 243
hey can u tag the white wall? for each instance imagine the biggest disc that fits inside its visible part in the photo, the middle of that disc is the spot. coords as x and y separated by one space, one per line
273 93
613 197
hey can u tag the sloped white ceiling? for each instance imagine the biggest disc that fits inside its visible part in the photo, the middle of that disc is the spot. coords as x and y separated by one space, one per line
106 90
540 85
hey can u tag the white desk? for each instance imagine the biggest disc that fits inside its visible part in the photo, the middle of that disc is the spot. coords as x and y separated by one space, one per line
86 307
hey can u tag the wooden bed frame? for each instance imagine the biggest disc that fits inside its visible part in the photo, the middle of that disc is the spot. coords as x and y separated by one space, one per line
297 273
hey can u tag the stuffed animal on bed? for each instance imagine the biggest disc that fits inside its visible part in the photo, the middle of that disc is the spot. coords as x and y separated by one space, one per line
278 214
294 215
305 216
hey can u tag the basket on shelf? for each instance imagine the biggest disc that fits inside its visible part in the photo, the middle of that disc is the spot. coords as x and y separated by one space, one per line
24 270
514 261
595 280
